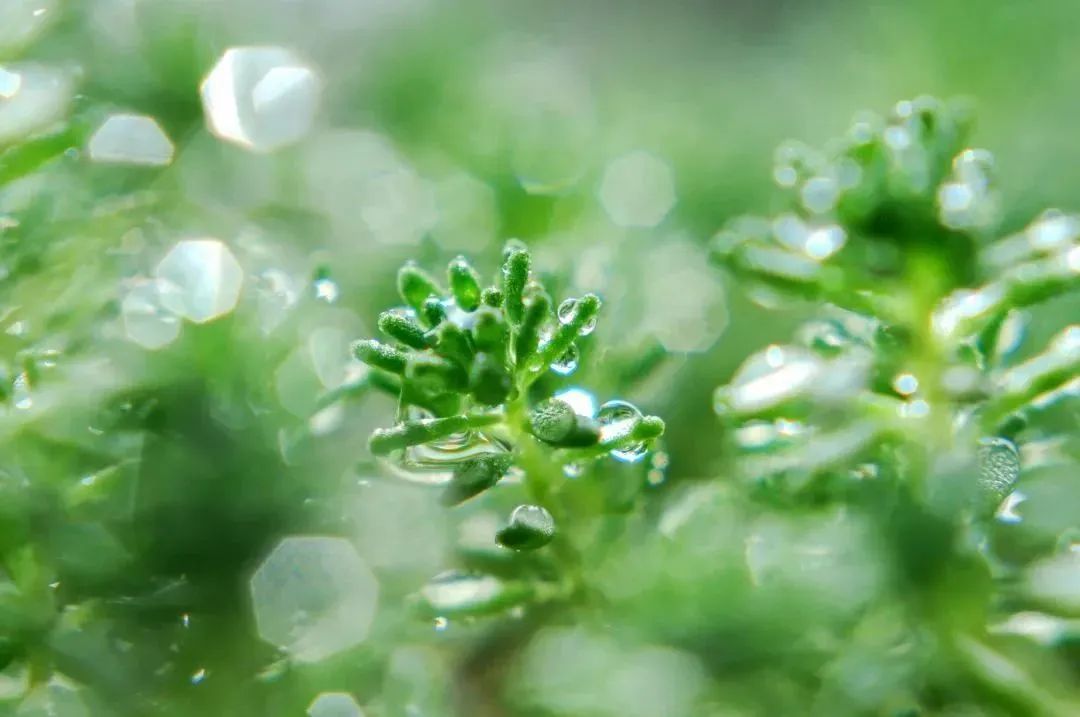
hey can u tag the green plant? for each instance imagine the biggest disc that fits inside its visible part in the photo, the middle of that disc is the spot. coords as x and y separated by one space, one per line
197 515
907 400
464 365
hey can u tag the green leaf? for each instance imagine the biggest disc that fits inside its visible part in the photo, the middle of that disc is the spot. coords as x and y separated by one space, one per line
415 285
474 476
464 283
556 423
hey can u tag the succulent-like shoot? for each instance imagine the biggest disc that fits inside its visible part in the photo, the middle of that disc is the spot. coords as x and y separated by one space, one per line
462 361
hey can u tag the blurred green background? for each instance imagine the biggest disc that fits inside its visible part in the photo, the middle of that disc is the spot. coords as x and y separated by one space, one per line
445 128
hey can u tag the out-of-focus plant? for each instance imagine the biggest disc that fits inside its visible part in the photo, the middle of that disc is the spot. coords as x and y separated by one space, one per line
905 400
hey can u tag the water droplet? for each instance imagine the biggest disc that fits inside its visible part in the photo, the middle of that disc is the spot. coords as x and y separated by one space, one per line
897 138
260 98
618 418
1053 230
441 624
574 469
530 527
334 704
567 363
815 242
819 194
999 465
905 384
823 242
146 320
568 310
200 279
199 676
965 305
185 620
915 409
314 597
325 290
130 139
769 378
967 201
458 593
433 463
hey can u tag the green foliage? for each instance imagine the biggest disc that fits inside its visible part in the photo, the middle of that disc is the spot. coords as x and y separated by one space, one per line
214 501
469 387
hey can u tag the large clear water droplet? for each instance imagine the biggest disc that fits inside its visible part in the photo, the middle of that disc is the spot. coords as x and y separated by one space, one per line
568 310
261 98
618 418
568 362
529 527
433 463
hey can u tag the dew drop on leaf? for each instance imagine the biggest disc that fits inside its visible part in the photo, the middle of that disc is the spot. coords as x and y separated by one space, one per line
567 363
460 593
568 310
619 418
325 290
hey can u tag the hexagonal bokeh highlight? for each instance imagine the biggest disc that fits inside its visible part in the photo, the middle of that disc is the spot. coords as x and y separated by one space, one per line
334 704
200 279
637 190
261 98
146 321
314 597
130 139
687 306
